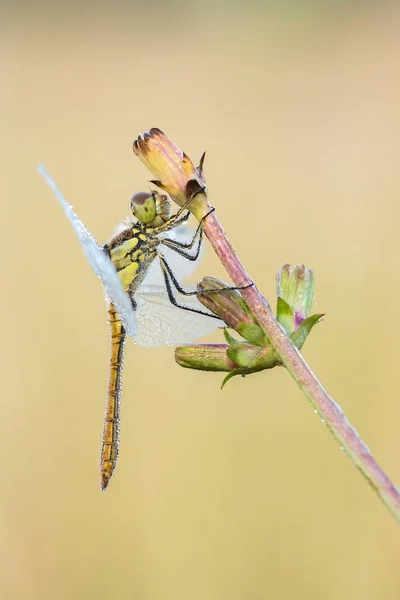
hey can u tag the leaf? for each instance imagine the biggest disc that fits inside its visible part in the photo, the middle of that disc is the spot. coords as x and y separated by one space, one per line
233 373
285 316
230 339
252 333
302 332
243 354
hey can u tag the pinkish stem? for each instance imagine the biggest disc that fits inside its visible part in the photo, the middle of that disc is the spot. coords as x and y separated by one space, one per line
329 411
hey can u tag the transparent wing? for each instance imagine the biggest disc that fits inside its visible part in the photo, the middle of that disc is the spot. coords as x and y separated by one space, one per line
160 323
98 260
122 225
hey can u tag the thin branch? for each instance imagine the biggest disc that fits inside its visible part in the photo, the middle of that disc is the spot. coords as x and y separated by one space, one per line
329 411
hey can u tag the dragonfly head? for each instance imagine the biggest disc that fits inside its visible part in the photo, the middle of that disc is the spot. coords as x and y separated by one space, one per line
151 208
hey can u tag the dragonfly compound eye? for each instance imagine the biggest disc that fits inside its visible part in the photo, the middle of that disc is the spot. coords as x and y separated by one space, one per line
143 206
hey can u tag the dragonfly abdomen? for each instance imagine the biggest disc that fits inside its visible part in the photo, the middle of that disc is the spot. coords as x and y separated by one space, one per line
110 442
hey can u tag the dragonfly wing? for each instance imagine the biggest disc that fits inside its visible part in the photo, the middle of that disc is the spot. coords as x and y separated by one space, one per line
160 323
98 260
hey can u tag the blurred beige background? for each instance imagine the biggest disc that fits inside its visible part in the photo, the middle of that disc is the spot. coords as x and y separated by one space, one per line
233 495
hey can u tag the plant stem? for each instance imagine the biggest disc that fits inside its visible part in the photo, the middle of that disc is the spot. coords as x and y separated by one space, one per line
329 411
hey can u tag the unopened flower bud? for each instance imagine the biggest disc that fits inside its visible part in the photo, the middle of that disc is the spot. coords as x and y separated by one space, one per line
204 357
174 171
295 285
295 290
229 305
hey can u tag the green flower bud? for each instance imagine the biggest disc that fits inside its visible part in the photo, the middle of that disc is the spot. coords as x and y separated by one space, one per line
295 291
253 358
231 308
236 358
204 357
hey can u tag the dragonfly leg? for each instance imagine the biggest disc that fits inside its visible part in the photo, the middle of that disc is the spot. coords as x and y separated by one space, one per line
173 222
181 247
167 269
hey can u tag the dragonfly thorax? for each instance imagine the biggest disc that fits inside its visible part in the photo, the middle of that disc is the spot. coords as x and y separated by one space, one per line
132 251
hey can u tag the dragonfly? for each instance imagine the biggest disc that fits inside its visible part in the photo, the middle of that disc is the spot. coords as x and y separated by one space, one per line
138 267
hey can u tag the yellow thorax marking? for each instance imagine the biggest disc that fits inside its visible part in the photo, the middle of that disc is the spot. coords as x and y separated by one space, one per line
121 254
129 256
